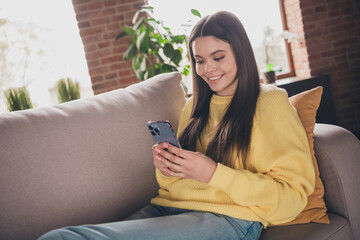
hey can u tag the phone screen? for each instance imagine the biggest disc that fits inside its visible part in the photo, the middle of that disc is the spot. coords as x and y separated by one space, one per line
162 131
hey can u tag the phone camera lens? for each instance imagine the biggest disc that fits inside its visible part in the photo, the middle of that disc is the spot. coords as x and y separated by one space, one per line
157 130
150 127
153 133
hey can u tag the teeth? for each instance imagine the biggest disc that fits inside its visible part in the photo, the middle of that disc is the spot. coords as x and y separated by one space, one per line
214 78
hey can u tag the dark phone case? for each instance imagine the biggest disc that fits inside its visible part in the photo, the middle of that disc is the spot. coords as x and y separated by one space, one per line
162 131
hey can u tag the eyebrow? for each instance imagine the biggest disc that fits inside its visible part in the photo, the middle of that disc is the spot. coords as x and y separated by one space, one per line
213 53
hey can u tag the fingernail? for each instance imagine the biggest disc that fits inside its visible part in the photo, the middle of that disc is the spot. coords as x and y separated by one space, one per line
157 150
158 158
166 145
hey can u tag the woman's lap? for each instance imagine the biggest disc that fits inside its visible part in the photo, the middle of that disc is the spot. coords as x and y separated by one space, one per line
154 222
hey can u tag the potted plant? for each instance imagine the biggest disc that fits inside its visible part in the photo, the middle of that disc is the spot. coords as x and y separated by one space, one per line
67 90
153 49
18 99
269 73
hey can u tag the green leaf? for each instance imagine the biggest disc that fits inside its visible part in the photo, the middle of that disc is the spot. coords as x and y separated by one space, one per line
122 34
136 61
147 7
131 32
135 17
159 57
269 67
143 42
176 57
178 39
168 50
153 20
149 73
139 74
186 70
143 65
167 68
139 23
129 53
196 13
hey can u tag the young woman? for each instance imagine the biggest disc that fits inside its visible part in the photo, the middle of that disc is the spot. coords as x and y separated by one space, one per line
244 163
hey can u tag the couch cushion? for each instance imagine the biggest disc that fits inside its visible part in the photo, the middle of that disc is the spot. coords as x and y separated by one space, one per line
338 229
306 104
76 162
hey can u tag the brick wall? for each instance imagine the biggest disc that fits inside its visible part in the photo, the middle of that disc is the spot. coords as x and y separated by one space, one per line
330 33
99 22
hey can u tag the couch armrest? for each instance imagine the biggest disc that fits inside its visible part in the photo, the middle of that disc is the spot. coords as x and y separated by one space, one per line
338 155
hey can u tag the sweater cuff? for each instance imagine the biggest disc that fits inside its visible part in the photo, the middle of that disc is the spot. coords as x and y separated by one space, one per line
223 177
164 180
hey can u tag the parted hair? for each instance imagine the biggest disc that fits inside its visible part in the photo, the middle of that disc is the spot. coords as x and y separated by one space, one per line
234 130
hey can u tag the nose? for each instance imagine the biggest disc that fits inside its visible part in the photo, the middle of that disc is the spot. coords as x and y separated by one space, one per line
209 68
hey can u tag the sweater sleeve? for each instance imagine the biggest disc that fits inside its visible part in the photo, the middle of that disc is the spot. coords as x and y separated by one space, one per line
281 177
163 180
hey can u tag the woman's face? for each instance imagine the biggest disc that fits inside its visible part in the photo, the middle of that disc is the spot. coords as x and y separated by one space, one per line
216 64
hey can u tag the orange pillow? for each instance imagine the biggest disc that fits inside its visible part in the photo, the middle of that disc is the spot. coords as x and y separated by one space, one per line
306 104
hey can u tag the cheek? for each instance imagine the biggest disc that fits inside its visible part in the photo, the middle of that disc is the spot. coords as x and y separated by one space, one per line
199 70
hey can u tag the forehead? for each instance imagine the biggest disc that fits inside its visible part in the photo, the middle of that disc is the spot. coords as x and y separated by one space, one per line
204 46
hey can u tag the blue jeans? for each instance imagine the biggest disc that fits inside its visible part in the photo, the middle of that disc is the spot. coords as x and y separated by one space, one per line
160 223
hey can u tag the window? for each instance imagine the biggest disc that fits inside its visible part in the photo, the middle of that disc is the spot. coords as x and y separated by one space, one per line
40 44
263 21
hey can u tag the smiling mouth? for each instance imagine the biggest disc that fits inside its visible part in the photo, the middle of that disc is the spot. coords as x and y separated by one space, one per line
214 78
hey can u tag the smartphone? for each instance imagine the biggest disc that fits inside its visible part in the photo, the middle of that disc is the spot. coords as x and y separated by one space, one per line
162 131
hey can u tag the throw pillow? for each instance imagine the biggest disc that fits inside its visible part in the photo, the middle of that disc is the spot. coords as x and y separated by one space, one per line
306 104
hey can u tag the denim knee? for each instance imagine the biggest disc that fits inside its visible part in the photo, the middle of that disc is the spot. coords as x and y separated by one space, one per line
52 235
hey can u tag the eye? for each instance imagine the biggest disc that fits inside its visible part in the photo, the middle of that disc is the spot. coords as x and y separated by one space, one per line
219 58
199 62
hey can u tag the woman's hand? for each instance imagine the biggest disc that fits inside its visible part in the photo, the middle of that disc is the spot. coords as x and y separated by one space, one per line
181 163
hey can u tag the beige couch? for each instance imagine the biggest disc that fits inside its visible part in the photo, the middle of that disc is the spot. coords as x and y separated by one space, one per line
89 161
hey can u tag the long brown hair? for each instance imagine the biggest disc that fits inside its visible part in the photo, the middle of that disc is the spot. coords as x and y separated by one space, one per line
234 130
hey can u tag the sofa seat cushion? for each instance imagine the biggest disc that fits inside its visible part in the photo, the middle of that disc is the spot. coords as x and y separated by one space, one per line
339 228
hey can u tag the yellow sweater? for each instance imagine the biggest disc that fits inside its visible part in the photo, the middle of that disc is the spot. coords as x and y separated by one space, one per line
279 175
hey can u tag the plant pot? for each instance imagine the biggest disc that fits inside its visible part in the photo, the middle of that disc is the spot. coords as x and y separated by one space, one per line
269 77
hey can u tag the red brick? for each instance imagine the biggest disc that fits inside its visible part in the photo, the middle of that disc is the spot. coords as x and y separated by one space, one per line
104 45
100 21
98 70
112 27
111 59
345 42
117 18
126 72
82 25
111 35
109 3
127 80
320 9
91 31
110 76
93 63
97 79
90 48
88 15
80 8
109 11
95 5
125 9
76 2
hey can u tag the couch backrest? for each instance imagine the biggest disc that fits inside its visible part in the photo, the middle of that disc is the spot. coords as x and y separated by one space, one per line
338 155
74 163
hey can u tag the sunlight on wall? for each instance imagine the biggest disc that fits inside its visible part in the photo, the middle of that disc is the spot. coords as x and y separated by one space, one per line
45 34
